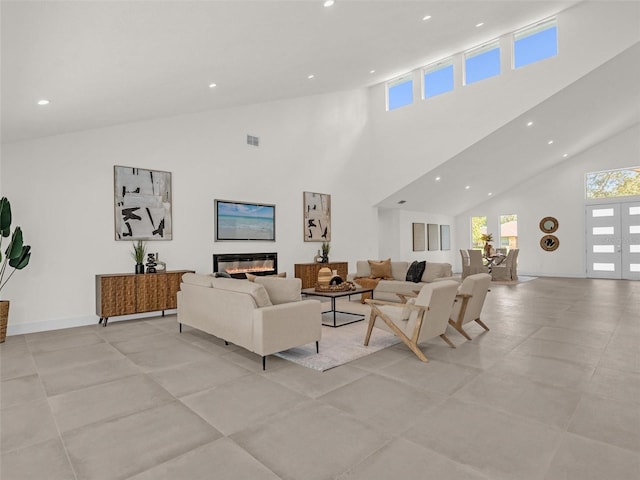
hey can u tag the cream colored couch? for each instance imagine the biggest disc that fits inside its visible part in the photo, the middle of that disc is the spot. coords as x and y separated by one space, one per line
265 316
387 289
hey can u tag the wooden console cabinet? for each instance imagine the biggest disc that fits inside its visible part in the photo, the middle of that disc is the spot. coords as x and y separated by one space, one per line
129 293
308 272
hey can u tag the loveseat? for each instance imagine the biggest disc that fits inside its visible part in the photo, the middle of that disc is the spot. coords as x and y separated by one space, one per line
265 316
389 282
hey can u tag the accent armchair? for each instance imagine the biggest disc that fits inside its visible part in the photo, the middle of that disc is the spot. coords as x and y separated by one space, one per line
469 302
415 323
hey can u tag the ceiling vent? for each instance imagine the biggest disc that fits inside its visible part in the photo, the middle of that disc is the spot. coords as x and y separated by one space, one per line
251 140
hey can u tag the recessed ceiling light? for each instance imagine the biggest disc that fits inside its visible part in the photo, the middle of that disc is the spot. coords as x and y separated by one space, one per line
212 85
479 24
43 102
549 142
328 3
437 179
489 193
310 76
372 71
426 17
565 155
529 124
467 187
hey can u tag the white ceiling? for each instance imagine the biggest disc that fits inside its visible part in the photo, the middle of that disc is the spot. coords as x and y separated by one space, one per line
110 62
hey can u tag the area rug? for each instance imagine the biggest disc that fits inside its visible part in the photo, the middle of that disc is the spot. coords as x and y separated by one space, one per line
340 345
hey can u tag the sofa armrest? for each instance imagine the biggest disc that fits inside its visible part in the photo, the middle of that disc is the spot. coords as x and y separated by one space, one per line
287 325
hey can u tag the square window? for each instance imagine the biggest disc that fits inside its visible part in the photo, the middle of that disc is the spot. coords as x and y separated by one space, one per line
535 43
482 63
438 80
400 93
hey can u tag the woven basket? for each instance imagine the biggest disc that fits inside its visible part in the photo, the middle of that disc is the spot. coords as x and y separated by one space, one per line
4 318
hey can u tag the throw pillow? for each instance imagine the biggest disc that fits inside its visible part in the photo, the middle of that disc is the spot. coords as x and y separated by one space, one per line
222 275
380 269
252 278
281 290
416 269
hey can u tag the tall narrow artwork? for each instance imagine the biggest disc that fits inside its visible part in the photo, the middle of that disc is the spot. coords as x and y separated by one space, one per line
317 217
142 204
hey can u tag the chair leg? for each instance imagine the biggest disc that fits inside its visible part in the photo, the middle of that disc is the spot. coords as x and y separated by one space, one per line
264 363
482 324
317 347
372 320
446 339
459 329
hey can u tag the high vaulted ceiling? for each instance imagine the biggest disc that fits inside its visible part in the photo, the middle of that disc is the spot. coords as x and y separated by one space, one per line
103 63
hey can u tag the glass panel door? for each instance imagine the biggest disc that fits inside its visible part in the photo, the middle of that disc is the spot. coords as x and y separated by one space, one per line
603 241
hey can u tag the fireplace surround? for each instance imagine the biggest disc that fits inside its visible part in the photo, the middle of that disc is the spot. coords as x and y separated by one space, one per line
239 264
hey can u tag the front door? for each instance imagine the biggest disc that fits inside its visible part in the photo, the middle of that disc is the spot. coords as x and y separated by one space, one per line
613 240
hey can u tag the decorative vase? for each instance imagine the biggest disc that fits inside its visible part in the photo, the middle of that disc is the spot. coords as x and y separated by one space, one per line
487 249
139 267
325 259
317 258
4 319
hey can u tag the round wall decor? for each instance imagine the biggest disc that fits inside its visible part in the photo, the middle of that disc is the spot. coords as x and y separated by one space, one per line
549 224
549 243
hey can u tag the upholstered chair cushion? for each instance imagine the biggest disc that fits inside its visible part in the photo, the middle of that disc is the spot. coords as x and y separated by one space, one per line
257 291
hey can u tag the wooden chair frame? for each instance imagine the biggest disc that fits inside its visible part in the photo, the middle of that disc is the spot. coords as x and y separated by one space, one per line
457 323
412 342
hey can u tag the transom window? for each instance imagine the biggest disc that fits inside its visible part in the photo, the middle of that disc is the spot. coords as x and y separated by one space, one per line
400 93
482 62
613 183
535 43
438 79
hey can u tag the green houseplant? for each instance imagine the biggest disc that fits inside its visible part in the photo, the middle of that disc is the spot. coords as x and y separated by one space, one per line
138 253
16 257
325 251
487 238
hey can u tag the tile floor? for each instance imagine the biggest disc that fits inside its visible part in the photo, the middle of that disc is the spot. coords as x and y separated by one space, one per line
551 392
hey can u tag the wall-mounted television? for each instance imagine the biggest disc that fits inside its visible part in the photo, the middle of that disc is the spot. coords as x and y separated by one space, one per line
245 221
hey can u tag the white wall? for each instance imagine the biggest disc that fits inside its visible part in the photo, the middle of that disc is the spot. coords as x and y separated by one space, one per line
413 140
61 190
395 229
557 193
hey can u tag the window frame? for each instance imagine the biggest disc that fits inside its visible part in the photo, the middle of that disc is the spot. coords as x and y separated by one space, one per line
479 50
394 83
528 31
434 67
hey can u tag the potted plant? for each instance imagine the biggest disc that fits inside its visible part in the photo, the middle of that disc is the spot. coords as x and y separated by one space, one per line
139 251
16 256
487 238
325 252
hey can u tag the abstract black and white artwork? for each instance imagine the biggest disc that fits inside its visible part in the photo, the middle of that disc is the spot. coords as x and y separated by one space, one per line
317 217
142 204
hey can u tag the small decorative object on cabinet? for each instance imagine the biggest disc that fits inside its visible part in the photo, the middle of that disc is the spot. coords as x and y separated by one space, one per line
325 252
139 249
126 294
151 263
308 272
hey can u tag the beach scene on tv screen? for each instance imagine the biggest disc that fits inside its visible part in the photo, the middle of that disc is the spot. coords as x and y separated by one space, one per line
242 221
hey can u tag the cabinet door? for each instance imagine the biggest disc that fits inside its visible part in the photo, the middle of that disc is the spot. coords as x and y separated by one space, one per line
173 286
116 295
151 292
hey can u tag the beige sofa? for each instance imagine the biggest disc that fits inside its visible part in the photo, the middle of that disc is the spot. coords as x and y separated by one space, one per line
388 289
265 316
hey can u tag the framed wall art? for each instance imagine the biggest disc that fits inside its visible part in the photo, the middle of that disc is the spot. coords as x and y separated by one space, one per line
316 217
445 237
432 236
245 221
142 204
418 237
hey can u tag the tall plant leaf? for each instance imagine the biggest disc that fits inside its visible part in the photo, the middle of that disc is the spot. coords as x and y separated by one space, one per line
22 260
5 217
14 250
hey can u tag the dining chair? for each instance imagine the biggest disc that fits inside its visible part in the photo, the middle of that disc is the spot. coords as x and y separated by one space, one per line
504 271
475 263
415 323
501 251
514 264
465 263
469 302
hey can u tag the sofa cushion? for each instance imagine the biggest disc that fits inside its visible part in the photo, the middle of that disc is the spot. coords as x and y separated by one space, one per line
363 270
281 290
435 270
251 277
257 291
197 279
416 269
380 268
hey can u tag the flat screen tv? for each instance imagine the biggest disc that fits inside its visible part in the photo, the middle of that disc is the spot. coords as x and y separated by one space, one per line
245 221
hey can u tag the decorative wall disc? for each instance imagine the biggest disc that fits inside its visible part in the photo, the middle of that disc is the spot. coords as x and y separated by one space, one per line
549 224
549 243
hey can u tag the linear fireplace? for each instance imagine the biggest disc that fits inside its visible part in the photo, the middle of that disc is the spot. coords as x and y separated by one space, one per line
238 264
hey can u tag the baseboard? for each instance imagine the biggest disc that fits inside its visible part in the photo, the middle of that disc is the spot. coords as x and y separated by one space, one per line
62 323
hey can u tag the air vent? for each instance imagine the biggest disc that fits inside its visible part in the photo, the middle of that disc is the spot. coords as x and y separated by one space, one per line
251 140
